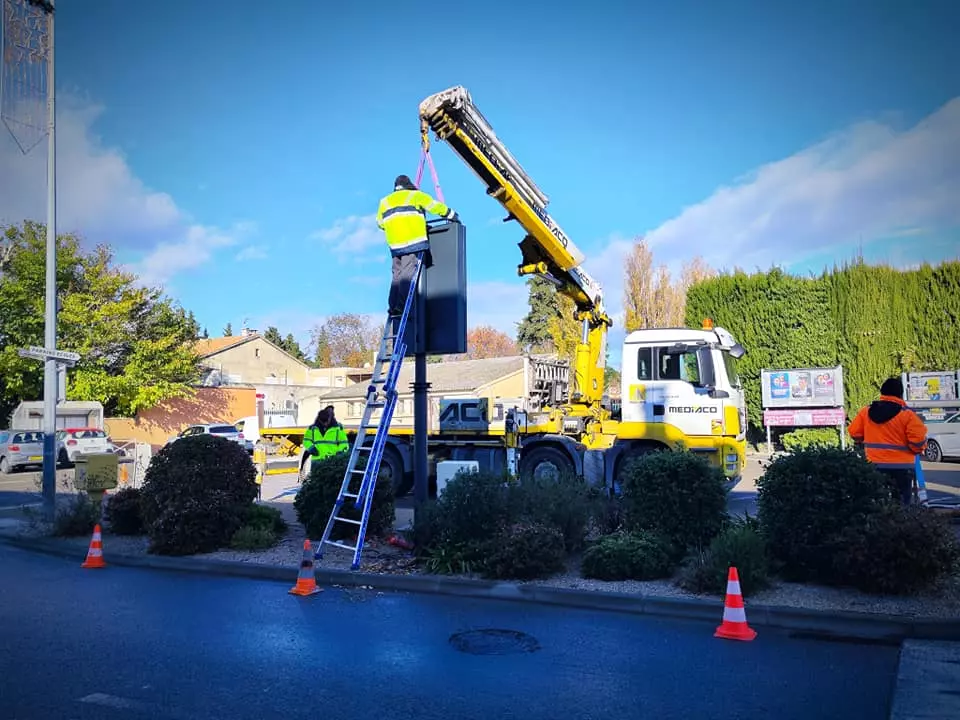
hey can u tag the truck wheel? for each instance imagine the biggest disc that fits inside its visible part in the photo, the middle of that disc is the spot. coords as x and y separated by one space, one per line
546 462
392 465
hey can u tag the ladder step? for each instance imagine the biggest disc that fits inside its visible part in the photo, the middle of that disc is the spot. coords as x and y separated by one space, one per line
359 472
347 520
341 545
351 495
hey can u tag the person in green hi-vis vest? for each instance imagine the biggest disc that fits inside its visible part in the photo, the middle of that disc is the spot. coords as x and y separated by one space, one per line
325 437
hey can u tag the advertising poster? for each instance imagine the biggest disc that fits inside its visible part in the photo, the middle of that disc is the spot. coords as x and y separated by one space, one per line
802 388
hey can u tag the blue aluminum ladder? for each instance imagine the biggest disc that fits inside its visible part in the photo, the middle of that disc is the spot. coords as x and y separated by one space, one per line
391 353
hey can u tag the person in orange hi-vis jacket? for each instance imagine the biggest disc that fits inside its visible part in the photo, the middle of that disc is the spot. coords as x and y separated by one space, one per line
892 435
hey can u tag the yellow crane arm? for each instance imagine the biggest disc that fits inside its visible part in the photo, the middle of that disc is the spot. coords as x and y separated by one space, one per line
546 249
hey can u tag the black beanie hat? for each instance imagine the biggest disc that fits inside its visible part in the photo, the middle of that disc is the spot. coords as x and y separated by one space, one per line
892 388
405 182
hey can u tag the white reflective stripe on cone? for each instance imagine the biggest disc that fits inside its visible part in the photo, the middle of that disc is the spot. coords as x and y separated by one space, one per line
733 587
736 615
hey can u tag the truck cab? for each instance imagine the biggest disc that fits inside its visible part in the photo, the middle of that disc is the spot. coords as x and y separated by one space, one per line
680 389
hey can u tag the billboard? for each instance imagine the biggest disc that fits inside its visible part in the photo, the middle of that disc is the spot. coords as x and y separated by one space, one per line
802 387
929 387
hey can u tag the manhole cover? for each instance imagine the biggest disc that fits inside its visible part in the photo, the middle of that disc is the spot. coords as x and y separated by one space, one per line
494 642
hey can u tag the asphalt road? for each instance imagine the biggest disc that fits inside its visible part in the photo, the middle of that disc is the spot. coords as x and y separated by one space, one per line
123 643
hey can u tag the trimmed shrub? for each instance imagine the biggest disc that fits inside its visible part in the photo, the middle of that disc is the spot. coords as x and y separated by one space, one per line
123 512
897 551
677 495
807 498
76 517
319 492
196 494
524 550
740 545
566 502
266 518
253 537
262 528
484 522
807 438
628 556
467 515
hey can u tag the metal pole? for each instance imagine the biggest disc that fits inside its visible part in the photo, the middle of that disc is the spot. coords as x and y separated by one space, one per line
50 334
420 387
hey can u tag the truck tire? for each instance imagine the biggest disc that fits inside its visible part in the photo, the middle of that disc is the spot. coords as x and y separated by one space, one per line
392 463
546 459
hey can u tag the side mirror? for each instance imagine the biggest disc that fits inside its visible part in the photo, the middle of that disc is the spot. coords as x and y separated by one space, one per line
737 351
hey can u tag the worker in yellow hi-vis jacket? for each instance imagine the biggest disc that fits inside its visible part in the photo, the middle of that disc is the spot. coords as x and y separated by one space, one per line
401 216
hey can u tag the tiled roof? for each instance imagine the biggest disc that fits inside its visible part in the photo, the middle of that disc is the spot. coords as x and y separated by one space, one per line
446 377
211 346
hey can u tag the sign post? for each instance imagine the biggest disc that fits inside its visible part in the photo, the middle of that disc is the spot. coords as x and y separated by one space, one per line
803 397
56 359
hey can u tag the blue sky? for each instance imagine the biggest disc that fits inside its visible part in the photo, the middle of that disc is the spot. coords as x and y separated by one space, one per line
235 153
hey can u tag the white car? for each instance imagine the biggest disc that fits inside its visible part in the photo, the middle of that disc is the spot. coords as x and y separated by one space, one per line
74 442
228 432
943 439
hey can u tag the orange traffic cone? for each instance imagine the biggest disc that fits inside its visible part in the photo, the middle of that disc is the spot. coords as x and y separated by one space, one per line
306 581
95 553
734 625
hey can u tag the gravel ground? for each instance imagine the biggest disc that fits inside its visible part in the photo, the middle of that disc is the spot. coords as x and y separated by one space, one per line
380 557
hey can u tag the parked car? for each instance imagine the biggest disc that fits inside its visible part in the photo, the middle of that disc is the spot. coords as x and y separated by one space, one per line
223 430
20 449
75 442
943 439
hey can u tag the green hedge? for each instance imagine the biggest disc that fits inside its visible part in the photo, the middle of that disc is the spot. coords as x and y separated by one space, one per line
875 321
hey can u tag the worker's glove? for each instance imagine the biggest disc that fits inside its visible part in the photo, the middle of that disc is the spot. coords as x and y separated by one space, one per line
313 451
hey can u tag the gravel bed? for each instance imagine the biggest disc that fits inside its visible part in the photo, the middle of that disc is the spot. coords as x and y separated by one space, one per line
380 557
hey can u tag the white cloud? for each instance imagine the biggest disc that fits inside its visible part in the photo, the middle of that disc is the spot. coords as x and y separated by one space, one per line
355 239
252 252
100 198
867 182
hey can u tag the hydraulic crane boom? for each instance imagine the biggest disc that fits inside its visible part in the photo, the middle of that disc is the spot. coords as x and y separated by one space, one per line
546 250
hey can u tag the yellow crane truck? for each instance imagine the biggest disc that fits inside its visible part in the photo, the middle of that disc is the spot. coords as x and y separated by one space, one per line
680 389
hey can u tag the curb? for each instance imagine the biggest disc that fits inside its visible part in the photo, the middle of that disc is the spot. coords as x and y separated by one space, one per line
810 623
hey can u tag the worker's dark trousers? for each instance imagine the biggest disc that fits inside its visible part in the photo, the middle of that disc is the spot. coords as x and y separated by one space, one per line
403 269
903 480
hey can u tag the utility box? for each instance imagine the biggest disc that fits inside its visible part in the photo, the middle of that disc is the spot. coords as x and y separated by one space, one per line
96 472
443 294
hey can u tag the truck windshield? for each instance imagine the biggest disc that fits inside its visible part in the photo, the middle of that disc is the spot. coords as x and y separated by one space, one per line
733 376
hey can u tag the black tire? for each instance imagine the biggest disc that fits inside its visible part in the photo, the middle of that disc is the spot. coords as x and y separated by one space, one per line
392 463
63 460
542 457
933 453
4 467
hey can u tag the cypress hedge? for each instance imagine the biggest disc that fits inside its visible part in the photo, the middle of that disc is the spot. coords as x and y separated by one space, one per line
874 320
